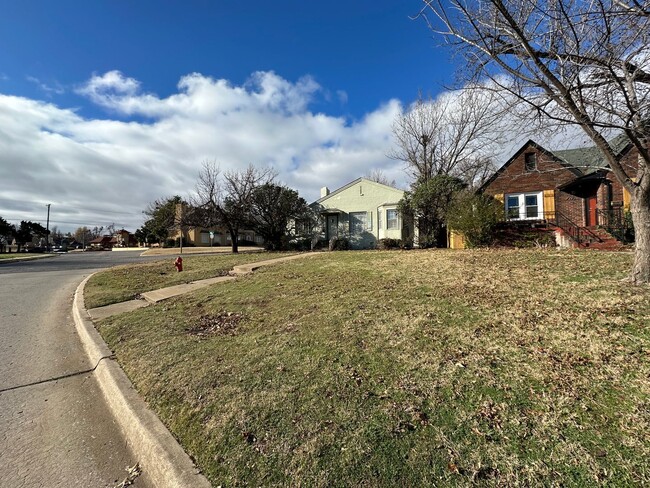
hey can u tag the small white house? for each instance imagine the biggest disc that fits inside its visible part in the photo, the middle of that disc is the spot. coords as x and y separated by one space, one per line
362 211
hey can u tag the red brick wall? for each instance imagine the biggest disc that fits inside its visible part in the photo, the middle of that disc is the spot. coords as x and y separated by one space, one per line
515 178
571 206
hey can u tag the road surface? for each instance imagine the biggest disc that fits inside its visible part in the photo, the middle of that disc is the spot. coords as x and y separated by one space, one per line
55 430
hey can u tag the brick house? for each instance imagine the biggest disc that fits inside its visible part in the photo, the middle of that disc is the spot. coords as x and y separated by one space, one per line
572 190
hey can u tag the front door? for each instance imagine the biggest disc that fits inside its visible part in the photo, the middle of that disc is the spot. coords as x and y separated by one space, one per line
332 226
592 216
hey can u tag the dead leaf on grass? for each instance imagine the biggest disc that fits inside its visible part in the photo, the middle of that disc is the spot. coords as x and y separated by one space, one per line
224 323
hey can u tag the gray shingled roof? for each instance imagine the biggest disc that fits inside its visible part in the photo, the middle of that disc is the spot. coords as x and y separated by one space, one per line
589 159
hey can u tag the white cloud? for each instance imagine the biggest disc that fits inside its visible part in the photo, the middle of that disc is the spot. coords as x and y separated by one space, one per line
55 88
98 171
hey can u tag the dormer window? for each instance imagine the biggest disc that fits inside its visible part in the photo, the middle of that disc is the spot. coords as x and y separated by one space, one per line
530 161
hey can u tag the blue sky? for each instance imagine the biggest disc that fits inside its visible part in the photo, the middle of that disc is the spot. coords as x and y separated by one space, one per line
370 50
108 105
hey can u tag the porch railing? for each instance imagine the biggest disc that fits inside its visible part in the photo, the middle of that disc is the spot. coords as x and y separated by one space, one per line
579 234
611 218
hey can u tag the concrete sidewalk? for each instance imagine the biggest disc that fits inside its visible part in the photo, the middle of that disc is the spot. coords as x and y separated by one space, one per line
156 296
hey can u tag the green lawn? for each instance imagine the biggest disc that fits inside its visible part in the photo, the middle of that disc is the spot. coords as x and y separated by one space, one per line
124 283
445 368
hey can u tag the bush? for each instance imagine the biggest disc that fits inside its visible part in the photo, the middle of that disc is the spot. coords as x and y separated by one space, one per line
339 244
390 244
299 244
515 235
475 216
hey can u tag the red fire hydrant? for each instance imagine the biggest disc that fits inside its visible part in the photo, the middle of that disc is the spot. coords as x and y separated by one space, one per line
179 264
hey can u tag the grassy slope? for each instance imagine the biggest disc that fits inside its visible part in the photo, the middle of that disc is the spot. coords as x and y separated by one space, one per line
126 282
387 369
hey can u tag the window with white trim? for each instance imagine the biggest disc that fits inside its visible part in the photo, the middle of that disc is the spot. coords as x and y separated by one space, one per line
358 223
525 206
392 219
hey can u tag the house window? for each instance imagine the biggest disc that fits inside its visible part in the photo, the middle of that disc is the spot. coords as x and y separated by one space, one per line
513 207
392 219
205 238
358 223
379 219
524 206
530 161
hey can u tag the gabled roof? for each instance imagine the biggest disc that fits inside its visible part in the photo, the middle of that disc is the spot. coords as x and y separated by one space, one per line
580 161
352 183
543 150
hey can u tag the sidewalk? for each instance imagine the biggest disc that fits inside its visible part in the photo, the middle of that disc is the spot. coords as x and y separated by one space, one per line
156 296
159 453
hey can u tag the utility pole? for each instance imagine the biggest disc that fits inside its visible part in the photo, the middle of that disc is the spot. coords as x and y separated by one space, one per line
47 229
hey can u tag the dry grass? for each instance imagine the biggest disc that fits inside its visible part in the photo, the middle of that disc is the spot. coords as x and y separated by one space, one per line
496 368
123 283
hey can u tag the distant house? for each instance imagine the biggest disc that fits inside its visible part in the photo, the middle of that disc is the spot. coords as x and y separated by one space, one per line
123 238
571 190
363 211
103 242
200 236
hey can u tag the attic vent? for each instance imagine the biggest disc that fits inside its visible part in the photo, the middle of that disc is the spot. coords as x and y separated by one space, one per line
530 162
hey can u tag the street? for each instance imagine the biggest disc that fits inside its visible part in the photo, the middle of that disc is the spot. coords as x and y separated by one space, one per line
56 430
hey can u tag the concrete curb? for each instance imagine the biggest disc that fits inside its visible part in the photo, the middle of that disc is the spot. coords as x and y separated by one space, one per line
22 259
159 454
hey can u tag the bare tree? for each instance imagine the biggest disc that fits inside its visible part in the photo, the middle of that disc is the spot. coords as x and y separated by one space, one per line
454 135
378 176
225 200
572 63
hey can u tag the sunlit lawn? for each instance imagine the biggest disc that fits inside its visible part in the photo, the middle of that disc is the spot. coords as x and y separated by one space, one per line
445 368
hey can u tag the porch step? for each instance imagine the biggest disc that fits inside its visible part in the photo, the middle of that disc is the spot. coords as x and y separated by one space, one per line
608 241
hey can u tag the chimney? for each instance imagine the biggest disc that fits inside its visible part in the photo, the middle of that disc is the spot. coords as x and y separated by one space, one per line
324 192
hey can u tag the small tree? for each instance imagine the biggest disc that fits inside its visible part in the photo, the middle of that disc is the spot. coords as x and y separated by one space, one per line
428 203
6 231
274 210
475 216
26 232
163 217
226 200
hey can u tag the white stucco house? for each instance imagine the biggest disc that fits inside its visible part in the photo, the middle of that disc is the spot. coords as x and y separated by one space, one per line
362 211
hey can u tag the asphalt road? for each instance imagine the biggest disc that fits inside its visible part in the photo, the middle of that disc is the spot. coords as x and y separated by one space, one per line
55 430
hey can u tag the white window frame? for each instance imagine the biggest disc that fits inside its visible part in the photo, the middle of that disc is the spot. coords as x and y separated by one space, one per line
396 220
521 200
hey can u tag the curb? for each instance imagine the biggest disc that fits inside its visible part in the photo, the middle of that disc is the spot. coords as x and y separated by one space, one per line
22 259
159 454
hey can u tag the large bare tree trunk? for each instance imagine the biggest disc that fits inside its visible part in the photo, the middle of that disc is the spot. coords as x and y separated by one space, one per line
640 208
